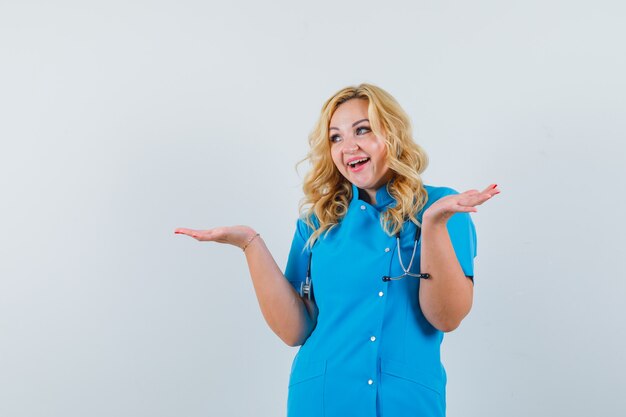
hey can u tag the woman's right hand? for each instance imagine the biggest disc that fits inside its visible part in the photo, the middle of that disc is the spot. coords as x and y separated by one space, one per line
291 318
233 235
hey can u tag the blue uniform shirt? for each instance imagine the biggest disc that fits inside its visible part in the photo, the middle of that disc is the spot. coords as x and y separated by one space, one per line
372 352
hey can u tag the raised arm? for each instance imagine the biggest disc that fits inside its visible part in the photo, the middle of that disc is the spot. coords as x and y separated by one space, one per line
446 298
287 314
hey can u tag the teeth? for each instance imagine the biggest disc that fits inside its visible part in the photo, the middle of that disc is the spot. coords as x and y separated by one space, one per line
353 163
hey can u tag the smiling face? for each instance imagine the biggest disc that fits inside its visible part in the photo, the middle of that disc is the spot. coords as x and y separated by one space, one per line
358 154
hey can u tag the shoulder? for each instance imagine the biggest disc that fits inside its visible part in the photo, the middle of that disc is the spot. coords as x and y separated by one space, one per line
305 223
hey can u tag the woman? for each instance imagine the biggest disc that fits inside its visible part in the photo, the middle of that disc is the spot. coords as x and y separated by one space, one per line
380 266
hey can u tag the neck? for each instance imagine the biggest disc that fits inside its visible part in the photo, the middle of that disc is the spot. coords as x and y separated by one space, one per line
368 196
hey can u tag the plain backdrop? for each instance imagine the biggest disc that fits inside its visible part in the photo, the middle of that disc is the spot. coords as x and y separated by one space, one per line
122 120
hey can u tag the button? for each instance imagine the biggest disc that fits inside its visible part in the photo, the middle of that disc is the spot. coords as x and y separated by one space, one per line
387 249
362 207
370 382
373 338
380 294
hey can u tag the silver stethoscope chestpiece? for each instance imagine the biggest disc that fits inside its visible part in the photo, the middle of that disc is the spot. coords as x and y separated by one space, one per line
306 288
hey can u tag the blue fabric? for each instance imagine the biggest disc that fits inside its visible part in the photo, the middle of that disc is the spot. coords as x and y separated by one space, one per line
372 352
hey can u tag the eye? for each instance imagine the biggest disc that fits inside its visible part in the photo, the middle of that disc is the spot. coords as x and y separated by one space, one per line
361 130
335 138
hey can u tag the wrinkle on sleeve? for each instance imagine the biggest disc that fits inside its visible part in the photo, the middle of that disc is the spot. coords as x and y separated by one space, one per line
298 260
463 237
461 231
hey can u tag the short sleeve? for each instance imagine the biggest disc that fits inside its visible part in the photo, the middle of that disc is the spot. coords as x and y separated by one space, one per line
460 229
463 236
298 260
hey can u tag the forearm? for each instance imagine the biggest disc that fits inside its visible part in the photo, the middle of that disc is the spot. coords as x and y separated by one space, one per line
281 306
446 297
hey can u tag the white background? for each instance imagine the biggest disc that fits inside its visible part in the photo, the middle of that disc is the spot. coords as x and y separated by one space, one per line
122 120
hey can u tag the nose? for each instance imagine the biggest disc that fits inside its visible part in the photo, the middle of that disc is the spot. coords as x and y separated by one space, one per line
350 144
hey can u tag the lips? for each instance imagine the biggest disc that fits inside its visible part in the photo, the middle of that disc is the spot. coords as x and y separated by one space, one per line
357 164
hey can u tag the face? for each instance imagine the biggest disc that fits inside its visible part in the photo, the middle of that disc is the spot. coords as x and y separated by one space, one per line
357 152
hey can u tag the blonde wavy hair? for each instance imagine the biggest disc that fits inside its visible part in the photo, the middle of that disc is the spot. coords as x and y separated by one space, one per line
327 193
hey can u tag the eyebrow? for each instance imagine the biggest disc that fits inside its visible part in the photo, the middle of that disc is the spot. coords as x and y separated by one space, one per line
353 124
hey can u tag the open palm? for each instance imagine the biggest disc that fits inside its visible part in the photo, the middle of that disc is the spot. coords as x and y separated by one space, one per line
466 202
233 235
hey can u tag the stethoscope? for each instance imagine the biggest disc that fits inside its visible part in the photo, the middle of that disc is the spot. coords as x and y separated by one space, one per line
306 287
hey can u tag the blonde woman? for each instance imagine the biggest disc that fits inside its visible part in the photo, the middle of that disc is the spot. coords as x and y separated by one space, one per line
380 267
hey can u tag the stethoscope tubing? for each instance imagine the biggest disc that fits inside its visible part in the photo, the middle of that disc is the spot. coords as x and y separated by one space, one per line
306 287
407 271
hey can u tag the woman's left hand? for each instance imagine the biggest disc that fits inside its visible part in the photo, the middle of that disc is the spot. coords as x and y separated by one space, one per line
441 210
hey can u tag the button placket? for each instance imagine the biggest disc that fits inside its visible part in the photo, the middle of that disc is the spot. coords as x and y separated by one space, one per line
382 298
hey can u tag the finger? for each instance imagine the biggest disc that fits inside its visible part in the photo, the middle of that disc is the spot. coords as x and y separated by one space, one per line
183 231
480 197
206 235
474 200
492 189
196 234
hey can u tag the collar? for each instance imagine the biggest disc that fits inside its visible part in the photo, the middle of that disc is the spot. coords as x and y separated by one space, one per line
383 198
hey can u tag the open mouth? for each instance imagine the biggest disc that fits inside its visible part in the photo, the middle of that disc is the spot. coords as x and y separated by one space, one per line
358 163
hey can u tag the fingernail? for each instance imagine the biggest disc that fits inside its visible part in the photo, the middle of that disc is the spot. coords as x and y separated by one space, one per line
494 185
